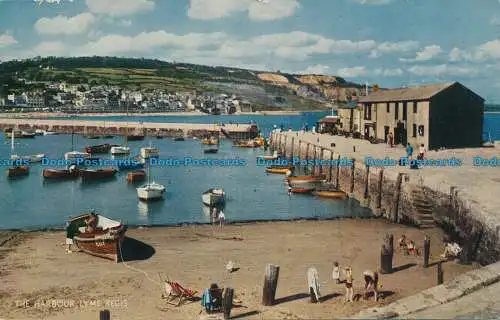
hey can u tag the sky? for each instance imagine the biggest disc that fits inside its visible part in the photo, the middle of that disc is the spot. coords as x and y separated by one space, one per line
392 43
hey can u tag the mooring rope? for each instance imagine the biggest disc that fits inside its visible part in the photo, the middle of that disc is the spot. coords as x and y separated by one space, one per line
138 270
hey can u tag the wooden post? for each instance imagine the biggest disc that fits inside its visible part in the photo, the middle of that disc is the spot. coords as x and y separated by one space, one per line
380 184
322 155
331 167
367 181
293 142
385 260
427 251
352 175
299 154
285 147
314 159
104 315
395 204
307 158
337 179
270 284
227 303
440 273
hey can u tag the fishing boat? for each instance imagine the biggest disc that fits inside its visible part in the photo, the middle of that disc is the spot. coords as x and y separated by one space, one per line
27 134
61 174
151 190
210 141
17 170
31 159
135 137
100 148
246 144
213 197
211 150
280 169
97 174
179 139
331 194
159 137
149 152
306 178
136 176
108 137
274 156
104 241
39 132
93 137
302 190
15 133
49 133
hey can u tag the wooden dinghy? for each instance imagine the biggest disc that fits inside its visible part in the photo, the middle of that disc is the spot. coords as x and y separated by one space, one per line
136 176
246 144
135 138
19 171
212 150
279 169
104 240
95 174
101 148
302 190
331 194
61 174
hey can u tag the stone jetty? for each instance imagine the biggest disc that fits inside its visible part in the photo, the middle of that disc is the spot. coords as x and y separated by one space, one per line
96 128
461 199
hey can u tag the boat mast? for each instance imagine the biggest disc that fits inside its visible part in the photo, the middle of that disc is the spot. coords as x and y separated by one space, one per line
12 143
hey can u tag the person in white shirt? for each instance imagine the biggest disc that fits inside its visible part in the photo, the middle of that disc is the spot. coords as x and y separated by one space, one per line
421 152
336 272
222 218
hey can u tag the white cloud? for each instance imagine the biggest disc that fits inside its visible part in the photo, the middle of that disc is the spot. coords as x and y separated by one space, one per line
7 40
428 53
489 50
441 70
389 72
393 47
120 7
65 25
373 2
457 54
50 48
352 72
495 20
316 69
217 9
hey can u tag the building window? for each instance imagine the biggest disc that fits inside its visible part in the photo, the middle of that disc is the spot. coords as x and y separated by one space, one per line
415 107
368 111
396 111
414 130
388 107
421 131
405 111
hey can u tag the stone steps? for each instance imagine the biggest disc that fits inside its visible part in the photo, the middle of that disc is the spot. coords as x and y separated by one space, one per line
424 210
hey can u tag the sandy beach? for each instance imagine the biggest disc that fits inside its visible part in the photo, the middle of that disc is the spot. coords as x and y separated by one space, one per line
35 270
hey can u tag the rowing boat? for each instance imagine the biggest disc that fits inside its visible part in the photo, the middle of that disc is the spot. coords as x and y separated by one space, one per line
302 190
279 169
331 194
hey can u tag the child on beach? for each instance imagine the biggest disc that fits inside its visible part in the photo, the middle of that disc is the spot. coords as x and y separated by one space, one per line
349 293
222 217
371 283
336 272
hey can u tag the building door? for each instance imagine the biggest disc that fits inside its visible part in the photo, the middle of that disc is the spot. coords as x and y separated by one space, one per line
386 133
396 135
400 134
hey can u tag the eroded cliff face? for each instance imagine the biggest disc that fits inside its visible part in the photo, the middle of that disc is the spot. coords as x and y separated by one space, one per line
330 87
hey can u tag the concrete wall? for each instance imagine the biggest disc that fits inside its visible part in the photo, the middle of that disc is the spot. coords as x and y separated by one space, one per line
392 198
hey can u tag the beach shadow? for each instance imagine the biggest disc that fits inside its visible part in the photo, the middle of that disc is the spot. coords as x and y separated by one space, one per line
329 297
246 314
290 298
403 267
437 262
381 295
133 249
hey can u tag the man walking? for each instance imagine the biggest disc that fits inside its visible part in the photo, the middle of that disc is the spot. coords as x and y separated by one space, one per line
409 151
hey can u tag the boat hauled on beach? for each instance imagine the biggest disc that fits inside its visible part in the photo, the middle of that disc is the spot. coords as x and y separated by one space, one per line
103 240
280 169
331 194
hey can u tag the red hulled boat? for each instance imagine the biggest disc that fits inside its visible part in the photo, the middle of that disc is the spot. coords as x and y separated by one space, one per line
95 174
101 148
18 171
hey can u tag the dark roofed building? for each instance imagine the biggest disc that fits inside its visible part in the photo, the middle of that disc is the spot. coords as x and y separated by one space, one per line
445 115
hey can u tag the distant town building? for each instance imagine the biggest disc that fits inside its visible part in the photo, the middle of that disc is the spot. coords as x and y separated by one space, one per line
447 115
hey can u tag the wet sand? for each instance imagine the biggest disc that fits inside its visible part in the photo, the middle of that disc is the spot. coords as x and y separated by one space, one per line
36 271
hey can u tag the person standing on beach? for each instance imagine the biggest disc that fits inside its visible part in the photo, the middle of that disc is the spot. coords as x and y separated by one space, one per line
409 151
348 282
421 152
371 283
222 218
336 272
390 139
214 215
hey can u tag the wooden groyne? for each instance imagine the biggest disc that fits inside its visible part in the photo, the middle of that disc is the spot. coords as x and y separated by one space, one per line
399 195
101 128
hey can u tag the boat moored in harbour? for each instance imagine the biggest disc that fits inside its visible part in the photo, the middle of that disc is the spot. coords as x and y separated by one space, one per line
18 171
96 235
280 169
211 150
211 141
135 138
213 197
149 152
274 156
151 191
61 174
97 174
100 148
120 150
74 155
302 190
331 194
136 176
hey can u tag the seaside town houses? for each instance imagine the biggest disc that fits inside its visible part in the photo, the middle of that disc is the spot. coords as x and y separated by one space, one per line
447 115
103 98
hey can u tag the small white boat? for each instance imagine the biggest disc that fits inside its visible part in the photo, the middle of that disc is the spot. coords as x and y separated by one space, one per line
39 132
149 152
151 191
213 197
49 133
120 150
274 156
31 159
76 155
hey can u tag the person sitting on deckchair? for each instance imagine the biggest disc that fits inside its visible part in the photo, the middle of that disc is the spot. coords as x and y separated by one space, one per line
412 249
212 298
403 243
371 283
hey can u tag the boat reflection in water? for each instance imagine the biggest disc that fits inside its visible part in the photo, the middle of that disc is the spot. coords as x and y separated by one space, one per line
146 211
211 214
